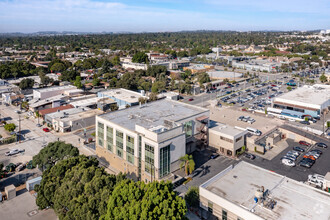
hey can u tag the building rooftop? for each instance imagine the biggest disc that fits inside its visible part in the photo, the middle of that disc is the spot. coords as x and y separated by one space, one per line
122 94
153 114
315 95
294 200
226 130
56 109
67 112
55 88
85 102
36 103
82 115
224 74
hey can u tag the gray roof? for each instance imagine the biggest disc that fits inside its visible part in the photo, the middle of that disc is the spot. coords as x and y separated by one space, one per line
153 114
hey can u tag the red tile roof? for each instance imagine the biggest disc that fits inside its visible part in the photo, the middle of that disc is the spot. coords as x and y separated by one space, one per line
51 110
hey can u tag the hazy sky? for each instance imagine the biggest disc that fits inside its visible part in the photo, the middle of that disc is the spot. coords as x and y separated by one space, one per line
162 15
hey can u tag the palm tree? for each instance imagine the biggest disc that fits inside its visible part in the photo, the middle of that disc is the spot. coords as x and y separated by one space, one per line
188 163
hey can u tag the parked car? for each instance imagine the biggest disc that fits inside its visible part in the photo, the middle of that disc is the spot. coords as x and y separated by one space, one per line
46 129
298 149
296 153
305 164
190 99
304 143
20 167
13 152
317 151
323 145
310 157
38 125
214 155
289 163
249 156
304 122
10 167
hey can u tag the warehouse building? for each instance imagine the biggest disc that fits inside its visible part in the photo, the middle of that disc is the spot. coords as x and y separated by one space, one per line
146 142
309 100
248 192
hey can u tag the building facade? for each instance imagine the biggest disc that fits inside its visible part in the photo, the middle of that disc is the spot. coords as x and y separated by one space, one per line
147 142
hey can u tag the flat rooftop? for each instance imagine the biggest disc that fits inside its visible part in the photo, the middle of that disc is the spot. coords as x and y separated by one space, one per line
67 112
153 114
294 200
56 88
82 115
122 94
316 94
226 130
224 74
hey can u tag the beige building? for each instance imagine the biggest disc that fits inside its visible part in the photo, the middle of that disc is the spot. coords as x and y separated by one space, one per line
248 192
226 139
146 142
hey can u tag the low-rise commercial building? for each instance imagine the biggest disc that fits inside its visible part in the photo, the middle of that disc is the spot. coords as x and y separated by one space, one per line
227 140
76 120
49 92
44 112
146 142
123 97
248 192
199 68
306 100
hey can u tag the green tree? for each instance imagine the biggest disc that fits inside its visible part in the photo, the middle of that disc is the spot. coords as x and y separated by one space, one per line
289 88
54 152
78 83
140 57
76 188
116 61
152 97
323 78
187 161
96 81
192 197
58 67
137 200
158 86
26 84
10 127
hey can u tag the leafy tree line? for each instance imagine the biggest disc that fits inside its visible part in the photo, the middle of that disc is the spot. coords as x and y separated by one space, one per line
17 69
77 188
149 41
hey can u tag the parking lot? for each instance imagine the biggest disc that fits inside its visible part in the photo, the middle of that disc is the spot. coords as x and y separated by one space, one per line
298 173
229 115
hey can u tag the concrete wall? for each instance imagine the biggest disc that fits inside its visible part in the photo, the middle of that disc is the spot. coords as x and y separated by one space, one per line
295 137
216 142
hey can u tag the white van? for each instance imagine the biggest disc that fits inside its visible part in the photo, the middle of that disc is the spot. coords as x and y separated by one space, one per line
254 131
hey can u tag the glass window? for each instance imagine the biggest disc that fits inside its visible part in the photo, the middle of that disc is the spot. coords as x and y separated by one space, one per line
100 133
149 158
226 139
238 139
224 214
165 161
130 149
119 143
188 128
110 138
210 207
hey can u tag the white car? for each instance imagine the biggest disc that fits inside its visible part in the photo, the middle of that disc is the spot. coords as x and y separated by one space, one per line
13 152
289 163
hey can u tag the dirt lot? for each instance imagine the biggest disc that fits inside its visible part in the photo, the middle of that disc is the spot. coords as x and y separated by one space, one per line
229 115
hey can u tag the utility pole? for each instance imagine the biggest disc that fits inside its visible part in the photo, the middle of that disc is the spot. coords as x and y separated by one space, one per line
19 128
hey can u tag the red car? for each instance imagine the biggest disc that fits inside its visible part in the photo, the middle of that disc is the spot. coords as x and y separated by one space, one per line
46 129
304 143
190 100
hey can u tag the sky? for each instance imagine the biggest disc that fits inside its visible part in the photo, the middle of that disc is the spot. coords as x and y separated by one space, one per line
162 15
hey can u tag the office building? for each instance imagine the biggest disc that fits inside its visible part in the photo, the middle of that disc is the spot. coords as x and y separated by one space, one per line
305 100
146 142
248 192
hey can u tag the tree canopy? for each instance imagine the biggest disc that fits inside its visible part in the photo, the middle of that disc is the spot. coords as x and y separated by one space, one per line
140 57
10 127
54 152
137 200
26 84
76 188
192 197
